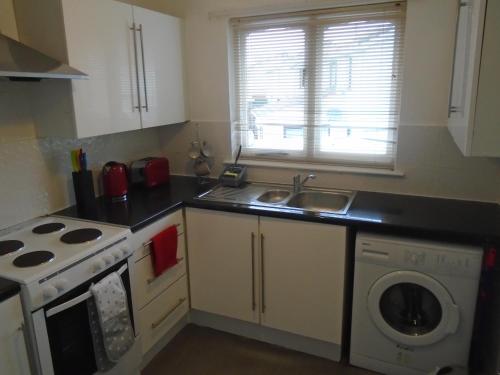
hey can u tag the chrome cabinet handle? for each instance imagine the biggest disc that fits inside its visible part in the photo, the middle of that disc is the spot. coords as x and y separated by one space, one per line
133 28
143 69
262 270
451 107
254 304
153 279
164 317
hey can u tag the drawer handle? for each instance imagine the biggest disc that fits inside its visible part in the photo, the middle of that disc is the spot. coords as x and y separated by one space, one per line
164 317
153 279
148 244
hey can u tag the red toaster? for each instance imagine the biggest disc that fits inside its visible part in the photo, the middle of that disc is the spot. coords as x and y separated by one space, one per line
150 172
114 177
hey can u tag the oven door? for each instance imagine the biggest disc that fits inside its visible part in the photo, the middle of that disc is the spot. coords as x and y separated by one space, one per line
63 335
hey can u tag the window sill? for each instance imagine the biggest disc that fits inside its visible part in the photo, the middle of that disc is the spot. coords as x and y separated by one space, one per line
319 167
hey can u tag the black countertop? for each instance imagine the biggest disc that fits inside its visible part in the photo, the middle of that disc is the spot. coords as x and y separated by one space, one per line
8 289
143 206
448 219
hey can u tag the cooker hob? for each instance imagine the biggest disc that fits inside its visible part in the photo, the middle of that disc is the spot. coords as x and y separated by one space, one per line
10 246
79 236
49 228
34 258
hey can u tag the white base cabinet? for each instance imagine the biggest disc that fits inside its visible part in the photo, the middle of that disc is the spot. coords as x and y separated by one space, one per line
303 269
222 263
159 302
13 355
284 274
133 58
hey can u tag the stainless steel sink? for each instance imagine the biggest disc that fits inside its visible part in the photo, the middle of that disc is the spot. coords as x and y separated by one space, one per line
337 202
267 195
274 196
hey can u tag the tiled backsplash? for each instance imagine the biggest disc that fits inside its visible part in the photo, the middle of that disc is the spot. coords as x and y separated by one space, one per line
432 164
36 173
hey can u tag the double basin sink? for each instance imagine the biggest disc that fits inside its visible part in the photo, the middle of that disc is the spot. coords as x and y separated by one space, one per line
312 200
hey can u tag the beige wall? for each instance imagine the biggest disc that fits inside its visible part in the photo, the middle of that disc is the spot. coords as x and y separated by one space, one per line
427 155
7 19
173 7
36 173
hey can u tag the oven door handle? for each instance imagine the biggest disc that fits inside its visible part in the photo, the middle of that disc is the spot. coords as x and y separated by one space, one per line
76 300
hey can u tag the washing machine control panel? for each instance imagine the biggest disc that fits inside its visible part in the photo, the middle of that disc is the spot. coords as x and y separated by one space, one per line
442 262
415 258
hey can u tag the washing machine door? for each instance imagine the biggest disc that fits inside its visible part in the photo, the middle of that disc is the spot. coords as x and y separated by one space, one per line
412 308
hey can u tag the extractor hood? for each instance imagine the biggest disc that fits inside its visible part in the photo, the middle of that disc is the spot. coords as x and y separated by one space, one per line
19 62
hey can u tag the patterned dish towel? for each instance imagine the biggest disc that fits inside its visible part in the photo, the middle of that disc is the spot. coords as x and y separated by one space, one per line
115 336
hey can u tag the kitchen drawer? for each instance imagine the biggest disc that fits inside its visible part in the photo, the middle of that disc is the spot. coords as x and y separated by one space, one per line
138 239
147 286
163 312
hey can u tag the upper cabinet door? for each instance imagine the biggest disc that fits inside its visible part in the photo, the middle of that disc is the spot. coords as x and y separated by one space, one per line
465 72
161 67
474 111
100 43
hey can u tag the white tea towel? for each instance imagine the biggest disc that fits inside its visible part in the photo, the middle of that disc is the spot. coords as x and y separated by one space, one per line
112 309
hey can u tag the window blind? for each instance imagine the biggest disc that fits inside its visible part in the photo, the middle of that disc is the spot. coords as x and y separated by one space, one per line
320 86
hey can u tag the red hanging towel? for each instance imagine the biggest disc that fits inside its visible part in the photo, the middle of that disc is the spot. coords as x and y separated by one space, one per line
164 250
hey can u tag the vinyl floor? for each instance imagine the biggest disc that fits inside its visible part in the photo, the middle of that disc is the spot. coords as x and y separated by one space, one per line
204 351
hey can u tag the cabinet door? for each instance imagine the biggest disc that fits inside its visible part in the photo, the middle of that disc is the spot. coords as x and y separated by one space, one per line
160 53
100 43
468 45
13 357
222 264
303 269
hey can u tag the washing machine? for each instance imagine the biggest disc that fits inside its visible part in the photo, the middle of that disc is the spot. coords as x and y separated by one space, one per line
413 304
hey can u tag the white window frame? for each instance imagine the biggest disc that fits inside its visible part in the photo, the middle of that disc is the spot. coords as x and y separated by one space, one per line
340 162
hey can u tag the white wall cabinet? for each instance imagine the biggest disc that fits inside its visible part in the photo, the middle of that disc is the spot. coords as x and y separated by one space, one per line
474 114
161 66
133 57
13 355
283 274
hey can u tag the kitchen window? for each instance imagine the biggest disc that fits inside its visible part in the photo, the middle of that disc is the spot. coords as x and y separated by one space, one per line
320 86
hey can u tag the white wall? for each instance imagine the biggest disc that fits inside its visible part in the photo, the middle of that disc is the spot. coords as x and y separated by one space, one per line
36 173
172 7
431 162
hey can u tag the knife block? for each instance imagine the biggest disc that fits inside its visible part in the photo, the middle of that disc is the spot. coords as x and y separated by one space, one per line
83 184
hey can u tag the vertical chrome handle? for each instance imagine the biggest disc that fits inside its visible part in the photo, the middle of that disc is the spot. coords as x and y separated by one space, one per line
451 107
144 70
262 270
254 304
136 69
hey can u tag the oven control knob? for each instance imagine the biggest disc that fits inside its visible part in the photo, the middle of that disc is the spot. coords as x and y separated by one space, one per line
60 284
49 292
97 265
125 250
117 255
108 259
